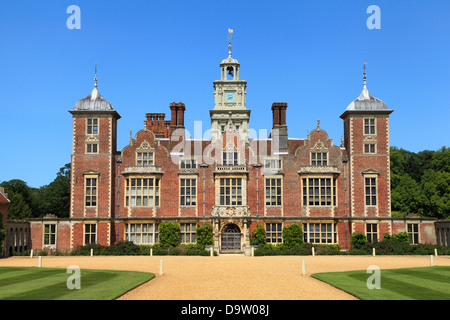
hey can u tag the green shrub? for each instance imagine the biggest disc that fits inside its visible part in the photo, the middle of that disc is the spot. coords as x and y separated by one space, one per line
358 240
258 236
327 249
205 235
169 234
293 235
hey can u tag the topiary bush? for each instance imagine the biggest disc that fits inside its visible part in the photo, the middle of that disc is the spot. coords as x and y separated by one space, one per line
258 236
205 235
169 234
293 235
358 240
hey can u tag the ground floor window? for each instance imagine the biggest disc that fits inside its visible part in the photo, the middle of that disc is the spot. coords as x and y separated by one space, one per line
188 232
372 232
142 233
49 234
274 233
90 233
319 233
413 232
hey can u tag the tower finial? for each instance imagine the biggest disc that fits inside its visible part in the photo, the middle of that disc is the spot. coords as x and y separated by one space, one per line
230 31
95 77
364 77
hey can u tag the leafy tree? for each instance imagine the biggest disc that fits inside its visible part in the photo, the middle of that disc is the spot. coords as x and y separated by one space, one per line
56 196
420 182
18 208
23 200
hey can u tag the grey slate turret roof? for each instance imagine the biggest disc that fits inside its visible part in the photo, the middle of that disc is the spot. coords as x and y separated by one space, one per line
366 101
93 102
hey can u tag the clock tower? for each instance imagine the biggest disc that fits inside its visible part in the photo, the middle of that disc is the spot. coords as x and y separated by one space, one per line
230 112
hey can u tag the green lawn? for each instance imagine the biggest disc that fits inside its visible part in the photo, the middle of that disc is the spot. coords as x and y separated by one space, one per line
32 283
427 283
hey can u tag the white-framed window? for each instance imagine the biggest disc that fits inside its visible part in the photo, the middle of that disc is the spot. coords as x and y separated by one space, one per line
319 233
369 126
49 234
188 192
188 164
91 126
92 147
144 159
274 233
272 164
372 232
319 158
273 192
319 192
231 191
142 192
142 233
370 184
230 158
90 233
370 148
188 232
90 191
413 232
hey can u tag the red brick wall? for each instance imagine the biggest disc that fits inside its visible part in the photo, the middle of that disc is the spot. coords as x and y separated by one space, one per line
360 162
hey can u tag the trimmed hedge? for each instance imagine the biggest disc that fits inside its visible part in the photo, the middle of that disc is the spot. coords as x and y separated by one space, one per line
385 247
128 248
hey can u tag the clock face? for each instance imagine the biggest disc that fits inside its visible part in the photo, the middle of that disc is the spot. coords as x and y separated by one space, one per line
230 97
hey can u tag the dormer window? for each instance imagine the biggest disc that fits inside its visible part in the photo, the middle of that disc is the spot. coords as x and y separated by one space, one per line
188 164
230 158
145 155
144 159
319 158
272 164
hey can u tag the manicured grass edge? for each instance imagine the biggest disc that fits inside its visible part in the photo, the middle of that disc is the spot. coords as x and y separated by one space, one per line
345 289
121 291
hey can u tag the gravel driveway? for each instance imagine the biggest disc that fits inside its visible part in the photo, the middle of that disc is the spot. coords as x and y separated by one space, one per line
233 277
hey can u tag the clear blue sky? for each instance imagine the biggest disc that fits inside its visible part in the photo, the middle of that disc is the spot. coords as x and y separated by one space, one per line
309 54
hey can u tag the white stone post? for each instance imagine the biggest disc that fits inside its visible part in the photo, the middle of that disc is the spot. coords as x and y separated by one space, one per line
161 267
435 252
431 260
303 268
151 252
373 252
40 262
31 254
92 252
313 253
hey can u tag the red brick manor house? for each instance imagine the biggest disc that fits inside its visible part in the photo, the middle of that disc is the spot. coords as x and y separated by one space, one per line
232 181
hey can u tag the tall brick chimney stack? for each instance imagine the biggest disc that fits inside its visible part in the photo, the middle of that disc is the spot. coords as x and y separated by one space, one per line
279 133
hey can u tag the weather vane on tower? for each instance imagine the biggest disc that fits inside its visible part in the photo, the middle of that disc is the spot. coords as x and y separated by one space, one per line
230 31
